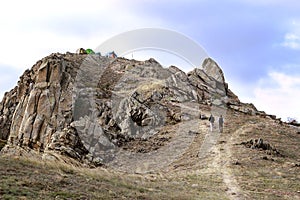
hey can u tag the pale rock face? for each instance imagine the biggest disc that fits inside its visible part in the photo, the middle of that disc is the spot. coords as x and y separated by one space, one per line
72 105
212 69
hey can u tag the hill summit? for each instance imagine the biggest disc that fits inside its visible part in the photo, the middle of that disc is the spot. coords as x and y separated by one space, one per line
64 96
139 117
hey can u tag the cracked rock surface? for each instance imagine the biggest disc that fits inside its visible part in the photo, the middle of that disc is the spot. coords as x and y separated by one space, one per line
89 107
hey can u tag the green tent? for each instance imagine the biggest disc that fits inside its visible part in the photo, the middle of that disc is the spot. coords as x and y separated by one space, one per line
89 51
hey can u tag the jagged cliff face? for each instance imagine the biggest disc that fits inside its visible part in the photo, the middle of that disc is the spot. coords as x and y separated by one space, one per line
41 110
85 106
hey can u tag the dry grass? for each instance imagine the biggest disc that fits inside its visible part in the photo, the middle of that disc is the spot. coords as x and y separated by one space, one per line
260 174
32 179
257 174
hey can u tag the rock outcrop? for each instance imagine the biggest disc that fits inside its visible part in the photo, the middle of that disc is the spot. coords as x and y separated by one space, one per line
84 106
262 145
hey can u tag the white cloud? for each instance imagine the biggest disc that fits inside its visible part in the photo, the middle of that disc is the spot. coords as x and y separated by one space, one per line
292 38
36 28
278 94
33 29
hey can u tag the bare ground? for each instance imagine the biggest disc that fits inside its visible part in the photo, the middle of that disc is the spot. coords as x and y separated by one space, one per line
212 166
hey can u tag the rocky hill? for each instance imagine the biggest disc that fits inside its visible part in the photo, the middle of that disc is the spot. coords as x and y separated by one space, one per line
140 118
62 98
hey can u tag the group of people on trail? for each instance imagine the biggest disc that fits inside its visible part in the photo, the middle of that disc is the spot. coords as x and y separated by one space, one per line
212 121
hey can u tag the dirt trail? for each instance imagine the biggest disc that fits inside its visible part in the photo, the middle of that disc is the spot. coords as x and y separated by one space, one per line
192 147
217 147
222 161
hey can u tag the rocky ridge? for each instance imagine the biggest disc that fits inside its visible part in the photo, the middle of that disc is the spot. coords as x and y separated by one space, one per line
88 107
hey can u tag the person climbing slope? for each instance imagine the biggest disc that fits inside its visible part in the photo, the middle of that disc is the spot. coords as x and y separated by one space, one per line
221 122
211 122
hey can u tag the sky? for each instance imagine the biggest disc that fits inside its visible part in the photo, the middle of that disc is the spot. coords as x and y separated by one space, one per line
255 42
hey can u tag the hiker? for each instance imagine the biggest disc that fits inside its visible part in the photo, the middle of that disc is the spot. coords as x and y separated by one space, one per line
211 122
221 122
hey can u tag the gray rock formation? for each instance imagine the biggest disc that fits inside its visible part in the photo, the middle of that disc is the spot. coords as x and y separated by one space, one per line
261 144
85 106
